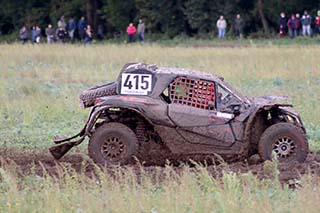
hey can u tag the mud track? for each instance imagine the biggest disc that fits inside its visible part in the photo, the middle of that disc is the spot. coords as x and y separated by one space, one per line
26 161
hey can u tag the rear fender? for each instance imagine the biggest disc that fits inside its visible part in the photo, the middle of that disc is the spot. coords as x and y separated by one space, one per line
154 110
92 119
96 114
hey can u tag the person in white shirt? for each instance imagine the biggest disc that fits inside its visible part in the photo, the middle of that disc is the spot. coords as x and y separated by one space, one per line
141 29
221 25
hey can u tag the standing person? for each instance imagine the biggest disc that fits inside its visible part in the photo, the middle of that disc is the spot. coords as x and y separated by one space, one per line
282 24
293 26
82 24
238 26
61 34
50 34
38 34
306 24
131 31
299 24
100 32
71 28
221 25
141 29
33 34
62 23
23 34
317 22
88 35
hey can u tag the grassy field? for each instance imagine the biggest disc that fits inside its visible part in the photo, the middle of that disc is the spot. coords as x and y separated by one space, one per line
160 190
39 87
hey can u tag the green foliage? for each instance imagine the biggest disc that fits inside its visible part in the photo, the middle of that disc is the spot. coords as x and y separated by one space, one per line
162 16
169 17
57 8
166 189
119 13
18 13
198 15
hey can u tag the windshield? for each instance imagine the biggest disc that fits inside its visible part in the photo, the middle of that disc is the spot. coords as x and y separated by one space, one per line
226 99
226 86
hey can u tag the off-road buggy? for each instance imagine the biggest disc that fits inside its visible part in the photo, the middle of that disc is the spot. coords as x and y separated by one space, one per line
166 112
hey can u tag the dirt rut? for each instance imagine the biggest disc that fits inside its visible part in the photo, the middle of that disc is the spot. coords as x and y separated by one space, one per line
26 161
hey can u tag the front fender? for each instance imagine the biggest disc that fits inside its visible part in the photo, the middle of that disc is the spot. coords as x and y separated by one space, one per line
285 111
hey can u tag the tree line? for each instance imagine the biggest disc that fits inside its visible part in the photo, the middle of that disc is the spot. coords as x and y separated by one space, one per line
167 17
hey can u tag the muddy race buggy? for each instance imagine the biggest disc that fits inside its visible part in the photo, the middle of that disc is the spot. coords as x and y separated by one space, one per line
179 113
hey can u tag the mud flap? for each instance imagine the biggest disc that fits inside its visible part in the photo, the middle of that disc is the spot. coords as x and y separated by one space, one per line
59 151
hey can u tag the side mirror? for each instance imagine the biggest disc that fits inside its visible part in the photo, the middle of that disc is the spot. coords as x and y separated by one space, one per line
236 109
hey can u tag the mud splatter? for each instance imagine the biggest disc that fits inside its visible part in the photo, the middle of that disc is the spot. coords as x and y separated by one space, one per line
25 161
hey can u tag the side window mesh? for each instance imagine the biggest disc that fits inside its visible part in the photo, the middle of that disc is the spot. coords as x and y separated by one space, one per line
191 92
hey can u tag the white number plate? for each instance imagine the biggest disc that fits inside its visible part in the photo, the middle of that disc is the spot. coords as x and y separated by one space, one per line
136 84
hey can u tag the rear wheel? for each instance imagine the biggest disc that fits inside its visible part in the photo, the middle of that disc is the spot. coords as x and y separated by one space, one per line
113 143
286 140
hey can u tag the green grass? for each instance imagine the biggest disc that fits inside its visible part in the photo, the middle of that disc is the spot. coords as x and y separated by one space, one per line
204 40
170 189
39 88
40 84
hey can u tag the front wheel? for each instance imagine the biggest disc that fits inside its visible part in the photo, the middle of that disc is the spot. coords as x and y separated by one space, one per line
113 143
286 140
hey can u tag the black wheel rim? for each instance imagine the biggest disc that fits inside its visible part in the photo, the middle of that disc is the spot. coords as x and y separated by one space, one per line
285 147
113 148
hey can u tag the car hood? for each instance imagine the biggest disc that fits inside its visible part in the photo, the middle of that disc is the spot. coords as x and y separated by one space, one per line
269 100
281 102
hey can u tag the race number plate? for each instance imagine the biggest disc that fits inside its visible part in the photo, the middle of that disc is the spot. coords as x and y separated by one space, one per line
136 84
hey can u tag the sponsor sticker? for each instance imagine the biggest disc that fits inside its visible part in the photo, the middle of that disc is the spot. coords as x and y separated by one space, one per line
225 115
214 116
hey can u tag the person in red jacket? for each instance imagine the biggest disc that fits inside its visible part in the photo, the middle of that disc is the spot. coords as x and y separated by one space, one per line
131 30
317 22
293 25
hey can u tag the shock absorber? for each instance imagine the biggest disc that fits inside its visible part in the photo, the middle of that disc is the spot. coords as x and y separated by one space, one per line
140 131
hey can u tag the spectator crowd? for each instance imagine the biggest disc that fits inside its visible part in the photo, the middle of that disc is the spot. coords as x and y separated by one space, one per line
296 25
292 26
65 31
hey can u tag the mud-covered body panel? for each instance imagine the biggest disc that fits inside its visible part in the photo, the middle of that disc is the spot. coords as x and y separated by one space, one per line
154 110
192 130
212 135
178 145
182 126
185 116
188 111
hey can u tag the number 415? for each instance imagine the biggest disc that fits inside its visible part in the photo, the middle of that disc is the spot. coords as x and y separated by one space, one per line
138 82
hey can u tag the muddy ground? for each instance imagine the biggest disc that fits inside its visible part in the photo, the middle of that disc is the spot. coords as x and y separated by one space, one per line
25 161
